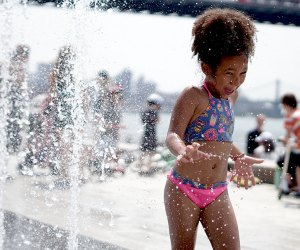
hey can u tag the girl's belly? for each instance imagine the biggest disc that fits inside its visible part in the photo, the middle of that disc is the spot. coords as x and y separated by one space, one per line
207 171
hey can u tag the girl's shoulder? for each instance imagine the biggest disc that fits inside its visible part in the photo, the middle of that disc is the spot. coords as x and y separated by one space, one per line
194 95
194 92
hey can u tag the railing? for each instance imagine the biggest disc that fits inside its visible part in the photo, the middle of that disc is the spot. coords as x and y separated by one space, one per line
273 11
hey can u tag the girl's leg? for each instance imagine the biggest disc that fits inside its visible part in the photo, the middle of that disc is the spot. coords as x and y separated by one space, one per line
219 222
183 218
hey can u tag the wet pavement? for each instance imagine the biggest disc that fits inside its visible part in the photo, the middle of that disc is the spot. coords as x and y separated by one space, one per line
127 212
28 234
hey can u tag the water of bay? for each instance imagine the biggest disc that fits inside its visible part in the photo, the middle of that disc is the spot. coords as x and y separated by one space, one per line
133 131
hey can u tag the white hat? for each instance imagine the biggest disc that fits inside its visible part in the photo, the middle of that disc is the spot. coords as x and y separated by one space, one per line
264 136
155 99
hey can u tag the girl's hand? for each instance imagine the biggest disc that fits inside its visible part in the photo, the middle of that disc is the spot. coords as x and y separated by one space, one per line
192 153
243 169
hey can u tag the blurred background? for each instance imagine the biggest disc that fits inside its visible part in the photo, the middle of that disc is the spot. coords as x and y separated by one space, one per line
144 47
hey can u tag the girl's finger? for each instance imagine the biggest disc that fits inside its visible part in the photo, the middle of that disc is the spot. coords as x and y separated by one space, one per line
180 158
183 158
196 145
256 160
239 181
246 180
253 180
201 154
233 174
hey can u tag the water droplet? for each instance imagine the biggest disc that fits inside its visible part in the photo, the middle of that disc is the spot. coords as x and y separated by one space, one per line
27 242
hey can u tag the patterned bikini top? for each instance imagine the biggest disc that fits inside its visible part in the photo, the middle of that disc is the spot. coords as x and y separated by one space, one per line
216 123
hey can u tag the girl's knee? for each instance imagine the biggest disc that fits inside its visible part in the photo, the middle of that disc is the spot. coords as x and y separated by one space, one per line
183 241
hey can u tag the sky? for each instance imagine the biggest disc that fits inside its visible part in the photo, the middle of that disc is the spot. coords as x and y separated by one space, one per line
154 46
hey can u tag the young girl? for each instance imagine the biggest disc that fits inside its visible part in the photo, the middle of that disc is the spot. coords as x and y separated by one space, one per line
200 134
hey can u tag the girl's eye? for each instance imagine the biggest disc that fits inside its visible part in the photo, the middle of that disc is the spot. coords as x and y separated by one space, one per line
229 73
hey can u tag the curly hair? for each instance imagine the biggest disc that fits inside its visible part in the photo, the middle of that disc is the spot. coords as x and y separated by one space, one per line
222 32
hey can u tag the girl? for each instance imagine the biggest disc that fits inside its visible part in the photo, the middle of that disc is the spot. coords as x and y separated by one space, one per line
200 134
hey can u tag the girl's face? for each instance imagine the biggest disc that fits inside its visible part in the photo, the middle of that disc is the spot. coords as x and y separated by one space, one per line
229 75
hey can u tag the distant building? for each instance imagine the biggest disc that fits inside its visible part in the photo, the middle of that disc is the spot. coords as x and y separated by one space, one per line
38 81
125 79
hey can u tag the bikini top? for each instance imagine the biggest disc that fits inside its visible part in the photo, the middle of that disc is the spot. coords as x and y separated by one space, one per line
216 123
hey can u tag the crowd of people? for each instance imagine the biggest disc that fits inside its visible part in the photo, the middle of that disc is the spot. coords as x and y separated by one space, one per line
47 137
65 115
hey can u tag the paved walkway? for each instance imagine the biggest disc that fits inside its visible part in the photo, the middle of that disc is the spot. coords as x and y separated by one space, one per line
127 211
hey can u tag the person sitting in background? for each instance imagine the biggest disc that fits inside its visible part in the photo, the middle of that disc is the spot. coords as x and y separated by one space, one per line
266 148
251 143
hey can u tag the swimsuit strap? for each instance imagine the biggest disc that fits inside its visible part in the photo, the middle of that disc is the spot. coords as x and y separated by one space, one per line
207 90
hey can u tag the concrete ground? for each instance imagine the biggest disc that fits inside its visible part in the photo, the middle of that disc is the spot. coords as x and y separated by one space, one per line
128 212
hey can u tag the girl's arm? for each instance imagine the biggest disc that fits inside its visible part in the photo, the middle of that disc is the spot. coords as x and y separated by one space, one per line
190 99
182 113
242 163
236 153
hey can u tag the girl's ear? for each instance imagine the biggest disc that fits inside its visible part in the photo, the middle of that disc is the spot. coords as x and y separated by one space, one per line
206 69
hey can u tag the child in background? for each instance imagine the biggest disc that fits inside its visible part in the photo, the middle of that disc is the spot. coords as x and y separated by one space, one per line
150 119
200 134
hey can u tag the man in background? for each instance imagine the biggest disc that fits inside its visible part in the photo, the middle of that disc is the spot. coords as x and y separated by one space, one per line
251 142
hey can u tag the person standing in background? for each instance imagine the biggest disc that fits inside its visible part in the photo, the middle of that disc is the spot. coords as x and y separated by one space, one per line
292 127
150 119
65 107
17 97
101 104
251 142
112 118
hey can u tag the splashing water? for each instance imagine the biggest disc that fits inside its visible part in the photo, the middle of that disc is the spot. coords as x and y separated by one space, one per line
75 134
70 115
5 48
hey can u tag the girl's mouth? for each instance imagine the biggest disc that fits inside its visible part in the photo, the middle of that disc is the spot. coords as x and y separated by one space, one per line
228 91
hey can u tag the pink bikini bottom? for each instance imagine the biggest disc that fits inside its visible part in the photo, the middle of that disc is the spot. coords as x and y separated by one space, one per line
201 194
